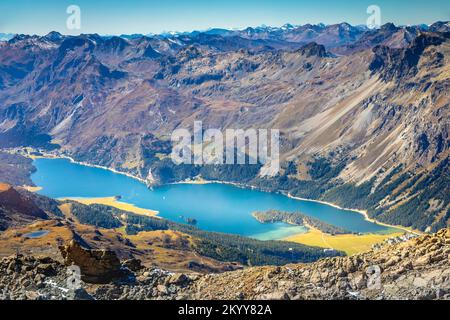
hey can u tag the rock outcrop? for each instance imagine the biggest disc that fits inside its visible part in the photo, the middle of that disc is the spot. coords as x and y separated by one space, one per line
96 266
402 63
313 50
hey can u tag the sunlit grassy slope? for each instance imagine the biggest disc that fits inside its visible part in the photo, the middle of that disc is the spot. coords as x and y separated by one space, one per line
349 243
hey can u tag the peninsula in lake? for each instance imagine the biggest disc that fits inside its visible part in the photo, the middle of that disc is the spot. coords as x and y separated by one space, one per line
299 219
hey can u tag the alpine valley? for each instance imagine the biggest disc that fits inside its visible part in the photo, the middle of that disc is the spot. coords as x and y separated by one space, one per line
364 123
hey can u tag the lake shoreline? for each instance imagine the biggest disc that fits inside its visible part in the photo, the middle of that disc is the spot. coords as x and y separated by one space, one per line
49 155
113 202
364 213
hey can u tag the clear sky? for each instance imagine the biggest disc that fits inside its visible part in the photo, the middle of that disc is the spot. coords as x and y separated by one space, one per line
152 16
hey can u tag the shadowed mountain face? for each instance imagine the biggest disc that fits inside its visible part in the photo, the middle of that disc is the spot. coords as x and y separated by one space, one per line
17 209
363 114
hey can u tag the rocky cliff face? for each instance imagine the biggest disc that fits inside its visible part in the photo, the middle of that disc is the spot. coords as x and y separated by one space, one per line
402 63
416 269
96 266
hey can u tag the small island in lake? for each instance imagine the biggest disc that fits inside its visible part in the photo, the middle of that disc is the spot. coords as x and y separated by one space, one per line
298 219
189 221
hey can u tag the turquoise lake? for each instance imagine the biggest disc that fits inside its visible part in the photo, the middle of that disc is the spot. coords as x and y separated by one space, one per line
216 207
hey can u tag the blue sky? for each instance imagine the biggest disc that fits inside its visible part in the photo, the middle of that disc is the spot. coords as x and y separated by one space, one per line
139 16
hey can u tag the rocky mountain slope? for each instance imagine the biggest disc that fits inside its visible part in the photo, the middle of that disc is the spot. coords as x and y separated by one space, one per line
417 269
363 114
16 209
15 170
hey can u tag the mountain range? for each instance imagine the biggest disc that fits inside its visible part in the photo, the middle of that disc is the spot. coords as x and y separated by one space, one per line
363 113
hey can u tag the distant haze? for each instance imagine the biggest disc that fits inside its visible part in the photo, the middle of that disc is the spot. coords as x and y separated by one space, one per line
139 16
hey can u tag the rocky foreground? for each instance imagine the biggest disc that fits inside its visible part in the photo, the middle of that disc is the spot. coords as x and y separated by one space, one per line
416 269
